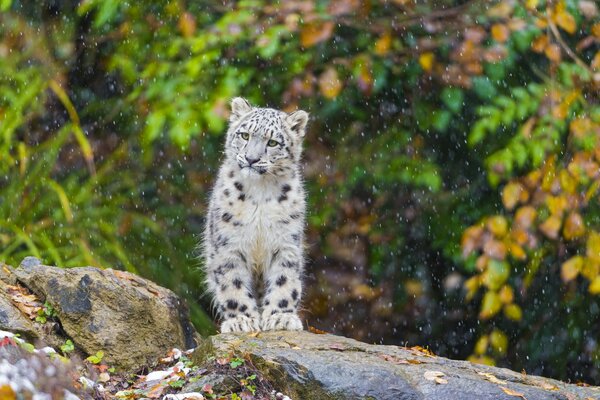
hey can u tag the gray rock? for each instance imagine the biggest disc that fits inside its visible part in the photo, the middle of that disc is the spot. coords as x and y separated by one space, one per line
309 366
132 320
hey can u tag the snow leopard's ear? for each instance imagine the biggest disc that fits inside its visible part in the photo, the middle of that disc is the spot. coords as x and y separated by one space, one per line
239 108
298 120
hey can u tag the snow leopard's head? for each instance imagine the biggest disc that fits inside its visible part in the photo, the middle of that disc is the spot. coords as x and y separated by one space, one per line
264 140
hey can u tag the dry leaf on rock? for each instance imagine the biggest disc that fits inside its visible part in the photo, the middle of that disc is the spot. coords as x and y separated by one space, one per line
513 393
492 378
435 376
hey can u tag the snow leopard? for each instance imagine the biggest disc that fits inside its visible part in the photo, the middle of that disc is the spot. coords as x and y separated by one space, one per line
254 234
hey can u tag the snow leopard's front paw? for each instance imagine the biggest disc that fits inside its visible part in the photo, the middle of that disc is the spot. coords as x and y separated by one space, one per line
240 324
281 322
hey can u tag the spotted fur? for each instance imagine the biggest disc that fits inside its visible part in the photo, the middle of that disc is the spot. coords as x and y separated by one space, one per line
253 240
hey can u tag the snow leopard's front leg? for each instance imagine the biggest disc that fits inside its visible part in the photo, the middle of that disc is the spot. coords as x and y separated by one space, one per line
231 283
284 289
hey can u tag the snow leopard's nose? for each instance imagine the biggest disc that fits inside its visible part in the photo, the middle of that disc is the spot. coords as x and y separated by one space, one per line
251 160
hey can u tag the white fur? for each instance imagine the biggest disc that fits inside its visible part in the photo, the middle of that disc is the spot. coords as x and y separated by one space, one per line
255 223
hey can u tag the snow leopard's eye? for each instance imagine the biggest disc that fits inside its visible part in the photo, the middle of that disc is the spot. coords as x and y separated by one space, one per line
272 143
245 135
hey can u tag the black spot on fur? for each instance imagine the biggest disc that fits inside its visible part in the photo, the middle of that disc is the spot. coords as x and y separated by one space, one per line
227 217
267 302
284 221
242 197
286 188
240 254
295 237
226 192
281 198
283 303
290 264
231 174
294 294
243 308
232 304
223 288
237 223
231 315
250 295
295 215
237 283
238 186
281 280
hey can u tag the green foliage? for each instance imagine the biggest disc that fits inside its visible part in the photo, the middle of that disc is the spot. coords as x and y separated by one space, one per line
111 130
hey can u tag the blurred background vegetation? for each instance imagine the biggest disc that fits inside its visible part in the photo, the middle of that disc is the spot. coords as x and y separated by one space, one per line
452 161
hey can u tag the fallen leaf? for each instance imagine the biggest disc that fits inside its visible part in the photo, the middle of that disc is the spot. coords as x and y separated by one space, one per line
500 33
317 331
435 376
337 346
492 378
513 393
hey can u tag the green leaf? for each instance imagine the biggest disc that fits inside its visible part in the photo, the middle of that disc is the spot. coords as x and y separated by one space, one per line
5 5
236 362
483 87
496 274
96 358
67 347
441 120
453 99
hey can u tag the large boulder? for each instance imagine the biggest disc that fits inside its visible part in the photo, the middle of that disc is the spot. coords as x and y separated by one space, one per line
132 320
304 365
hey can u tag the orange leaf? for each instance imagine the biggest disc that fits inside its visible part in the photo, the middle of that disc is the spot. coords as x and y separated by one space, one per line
540 44
315 32
574 226
506 294
500 33
570 268
383 44
596 30
596 61
517 252
550 227
329 83
552 51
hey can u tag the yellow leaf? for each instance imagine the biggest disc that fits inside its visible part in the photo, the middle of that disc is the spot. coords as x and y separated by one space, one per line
315 32
329 83
472 285
574 226
563 19
593 246
481 345
513 311
7 393
506 294
500 33
497 225
570 268
187 24
383 44
501 10
517 252
550 227
531 4
496 274
426 61
590 269
567 182
490 305
492 378
595 286
511 392
556 205
511 194
499 341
